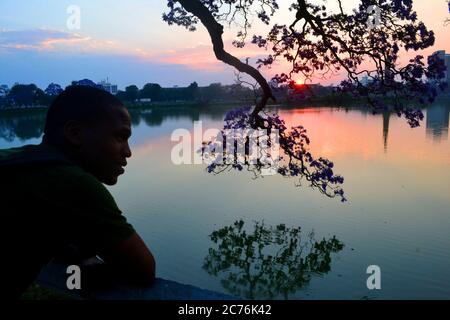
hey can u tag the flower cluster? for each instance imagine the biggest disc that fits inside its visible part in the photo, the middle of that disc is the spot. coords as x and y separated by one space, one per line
295 160
320 44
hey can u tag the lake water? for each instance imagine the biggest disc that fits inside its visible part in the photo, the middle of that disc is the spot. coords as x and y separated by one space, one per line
397 181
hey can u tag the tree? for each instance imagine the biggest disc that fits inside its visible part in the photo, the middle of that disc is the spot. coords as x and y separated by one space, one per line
25 95
53 89
152 91
3 101
131 93
192 92
213 91
322 43
121 95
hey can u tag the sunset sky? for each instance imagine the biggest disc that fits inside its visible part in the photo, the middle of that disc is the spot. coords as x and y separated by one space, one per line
129 43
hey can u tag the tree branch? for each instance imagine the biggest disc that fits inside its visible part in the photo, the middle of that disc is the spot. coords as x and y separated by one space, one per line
215 31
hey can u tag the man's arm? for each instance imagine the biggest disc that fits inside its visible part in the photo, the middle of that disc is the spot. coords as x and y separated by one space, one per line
132 261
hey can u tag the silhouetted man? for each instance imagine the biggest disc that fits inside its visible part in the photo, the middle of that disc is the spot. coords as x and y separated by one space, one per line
53 196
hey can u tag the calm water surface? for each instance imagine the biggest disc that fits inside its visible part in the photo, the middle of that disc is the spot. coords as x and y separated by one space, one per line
397 216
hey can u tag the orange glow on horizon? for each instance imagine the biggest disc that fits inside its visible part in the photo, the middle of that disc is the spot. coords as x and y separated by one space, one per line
335 134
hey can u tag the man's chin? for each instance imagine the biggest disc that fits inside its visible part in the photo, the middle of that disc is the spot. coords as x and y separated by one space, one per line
110 181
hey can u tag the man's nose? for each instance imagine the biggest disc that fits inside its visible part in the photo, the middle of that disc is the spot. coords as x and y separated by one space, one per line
127 151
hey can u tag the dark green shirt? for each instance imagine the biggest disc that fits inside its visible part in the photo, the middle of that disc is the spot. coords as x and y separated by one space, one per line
47 204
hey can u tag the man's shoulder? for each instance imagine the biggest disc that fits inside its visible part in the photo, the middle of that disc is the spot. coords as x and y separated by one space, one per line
30 155
71 181
42 163
46 173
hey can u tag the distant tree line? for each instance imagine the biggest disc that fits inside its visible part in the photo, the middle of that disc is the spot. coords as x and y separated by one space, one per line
29 95
214 92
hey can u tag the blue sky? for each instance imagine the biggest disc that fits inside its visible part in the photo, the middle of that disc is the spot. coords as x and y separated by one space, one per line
126 41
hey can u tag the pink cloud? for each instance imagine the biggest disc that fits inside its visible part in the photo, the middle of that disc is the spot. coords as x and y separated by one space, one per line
200 57
51 40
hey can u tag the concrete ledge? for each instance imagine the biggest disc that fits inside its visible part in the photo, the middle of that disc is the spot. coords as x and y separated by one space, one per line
54 276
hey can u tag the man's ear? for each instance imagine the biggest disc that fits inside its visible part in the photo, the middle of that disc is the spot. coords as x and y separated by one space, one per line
73 133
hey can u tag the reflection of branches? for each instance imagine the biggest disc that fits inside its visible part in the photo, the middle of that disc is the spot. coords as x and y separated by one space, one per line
268 263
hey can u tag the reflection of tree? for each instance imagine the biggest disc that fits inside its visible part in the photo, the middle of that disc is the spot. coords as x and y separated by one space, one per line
135 118
156 116
152 119
268 263
24 127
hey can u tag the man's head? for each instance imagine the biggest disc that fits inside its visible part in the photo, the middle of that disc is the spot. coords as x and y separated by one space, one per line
92 127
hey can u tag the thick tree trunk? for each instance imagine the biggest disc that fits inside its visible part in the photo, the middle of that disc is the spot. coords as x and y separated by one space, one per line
215 31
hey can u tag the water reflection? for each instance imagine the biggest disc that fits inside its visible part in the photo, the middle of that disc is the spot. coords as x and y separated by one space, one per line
267 262
386 118
437 121
23 126
411 179
156 116
28 125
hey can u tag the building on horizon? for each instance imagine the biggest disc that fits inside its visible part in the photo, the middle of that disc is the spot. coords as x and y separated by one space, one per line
107 86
